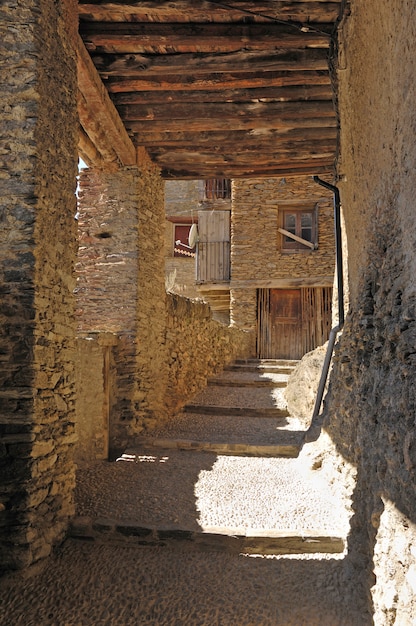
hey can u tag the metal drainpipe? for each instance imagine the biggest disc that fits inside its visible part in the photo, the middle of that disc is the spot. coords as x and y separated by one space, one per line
340 279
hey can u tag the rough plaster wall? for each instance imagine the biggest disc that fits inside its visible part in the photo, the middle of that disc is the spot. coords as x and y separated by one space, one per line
182 197
37 248
372 399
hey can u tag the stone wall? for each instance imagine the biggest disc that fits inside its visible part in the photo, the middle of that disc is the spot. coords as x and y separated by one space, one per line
121 289
256 243
107 260
197 346
371 405
37 249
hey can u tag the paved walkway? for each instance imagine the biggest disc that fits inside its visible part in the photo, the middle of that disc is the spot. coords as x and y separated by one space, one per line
216 519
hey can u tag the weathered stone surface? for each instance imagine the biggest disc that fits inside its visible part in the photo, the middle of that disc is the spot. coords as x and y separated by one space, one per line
371 403
37 249
302 385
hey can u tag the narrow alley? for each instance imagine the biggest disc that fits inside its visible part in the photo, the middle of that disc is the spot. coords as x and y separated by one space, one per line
215 519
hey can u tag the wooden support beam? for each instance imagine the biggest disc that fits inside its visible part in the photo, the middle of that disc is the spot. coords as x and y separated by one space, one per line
264 94
131 37
245 154
258 124
284 283
218 82
136 65
198 10
226 111
309 244
228 159
98 115
263 139
87 150
325 168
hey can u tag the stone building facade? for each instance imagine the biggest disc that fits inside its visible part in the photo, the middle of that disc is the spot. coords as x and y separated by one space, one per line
263 263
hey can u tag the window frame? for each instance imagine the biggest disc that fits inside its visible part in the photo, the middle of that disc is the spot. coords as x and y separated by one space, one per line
292 245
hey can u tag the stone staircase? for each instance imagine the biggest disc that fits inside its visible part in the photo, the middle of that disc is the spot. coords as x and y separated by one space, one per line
225 474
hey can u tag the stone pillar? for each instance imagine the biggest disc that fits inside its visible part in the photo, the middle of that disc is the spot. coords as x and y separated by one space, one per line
121 291
37 250
152 369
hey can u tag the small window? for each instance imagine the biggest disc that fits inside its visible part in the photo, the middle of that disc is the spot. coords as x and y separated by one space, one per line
218 189
181 241
302 224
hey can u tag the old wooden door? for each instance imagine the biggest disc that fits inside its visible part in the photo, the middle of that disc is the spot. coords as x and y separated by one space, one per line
286 320
291 322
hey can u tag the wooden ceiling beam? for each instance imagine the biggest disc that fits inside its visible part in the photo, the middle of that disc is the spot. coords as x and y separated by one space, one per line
130 38
244 159
271 171
281 94
321 147
225 111
218 81
98 115
217 124
199 11
242 139
136 65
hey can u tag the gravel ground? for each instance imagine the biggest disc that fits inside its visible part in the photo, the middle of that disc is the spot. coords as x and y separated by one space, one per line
198 490
88 584
100 584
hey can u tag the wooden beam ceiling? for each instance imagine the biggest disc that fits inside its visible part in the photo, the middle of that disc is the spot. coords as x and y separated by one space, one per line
215 89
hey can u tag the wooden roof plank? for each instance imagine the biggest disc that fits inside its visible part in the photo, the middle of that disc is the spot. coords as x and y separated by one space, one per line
242 139
225 110
182 11
259 124
135 65
279 94
127 38
273 170
193 81
325 146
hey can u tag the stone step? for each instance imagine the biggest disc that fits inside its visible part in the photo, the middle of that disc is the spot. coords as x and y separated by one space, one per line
250 367
286 450
205 409
268 362
235 541
224 382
